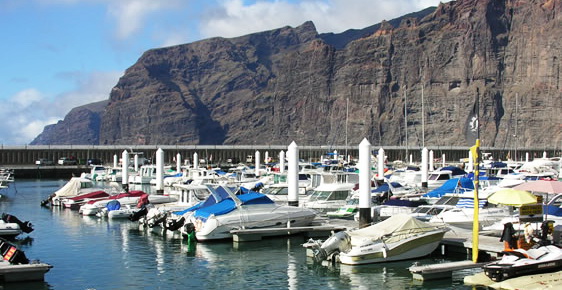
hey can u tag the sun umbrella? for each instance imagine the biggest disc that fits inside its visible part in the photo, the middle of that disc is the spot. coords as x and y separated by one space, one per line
546 186
513 197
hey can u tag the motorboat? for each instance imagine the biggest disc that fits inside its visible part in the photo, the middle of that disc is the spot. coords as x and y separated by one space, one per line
75 186
279 192
126 208
399 237
439 177
16 267
520 262
462 215
332 192
11 226
224 211
77 201
94 206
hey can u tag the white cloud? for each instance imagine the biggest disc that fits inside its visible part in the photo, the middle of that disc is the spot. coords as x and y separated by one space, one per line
25 114
234 18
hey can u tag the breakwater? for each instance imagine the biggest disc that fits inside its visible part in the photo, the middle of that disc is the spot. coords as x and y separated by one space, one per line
221 154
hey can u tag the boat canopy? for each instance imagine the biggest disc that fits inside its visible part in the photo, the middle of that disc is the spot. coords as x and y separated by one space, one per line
227 205
73 186
395 227
453 185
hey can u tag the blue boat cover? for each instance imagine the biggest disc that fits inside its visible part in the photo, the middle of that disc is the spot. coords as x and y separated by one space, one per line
113 205
405 202
384 187
552 210
453 185
227 205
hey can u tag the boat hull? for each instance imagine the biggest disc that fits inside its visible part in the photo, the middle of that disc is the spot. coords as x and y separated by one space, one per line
499 272
410 248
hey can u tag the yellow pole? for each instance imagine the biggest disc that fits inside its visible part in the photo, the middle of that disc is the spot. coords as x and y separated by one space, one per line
475 223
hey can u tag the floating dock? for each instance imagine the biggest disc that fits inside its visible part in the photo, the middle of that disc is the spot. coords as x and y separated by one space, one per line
537 281
442 270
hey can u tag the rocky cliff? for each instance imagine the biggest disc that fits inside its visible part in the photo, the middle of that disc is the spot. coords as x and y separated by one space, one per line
288 84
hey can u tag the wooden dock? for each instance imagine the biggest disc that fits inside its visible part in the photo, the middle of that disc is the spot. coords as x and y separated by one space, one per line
246 235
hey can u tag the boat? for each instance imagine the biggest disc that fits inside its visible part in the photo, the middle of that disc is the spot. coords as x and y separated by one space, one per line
332 192
77 201
399 237
11 226
225 211
439 177
520 262
75 186
94 206
16 267
126 206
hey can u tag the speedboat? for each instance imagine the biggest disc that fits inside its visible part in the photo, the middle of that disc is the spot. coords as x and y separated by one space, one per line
126 206
16 267
522 262
399 237
94 206
77 201
225 211
75 186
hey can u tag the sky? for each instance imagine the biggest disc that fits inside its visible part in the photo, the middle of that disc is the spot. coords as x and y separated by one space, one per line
60 54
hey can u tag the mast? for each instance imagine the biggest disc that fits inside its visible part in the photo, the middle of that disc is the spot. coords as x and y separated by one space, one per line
346 121
406 121
516 121
423 121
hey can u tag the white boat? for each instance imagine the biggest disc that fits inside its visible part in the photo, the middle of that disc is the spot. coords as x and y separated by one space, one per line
225 211
94 206
399 237
16 267
130 205
333 191
279 193
439 177
75 186
11 226
462 216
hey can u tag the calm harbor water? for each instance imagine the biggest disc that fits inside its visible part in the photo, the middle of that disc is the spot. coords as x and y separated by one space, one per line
93 253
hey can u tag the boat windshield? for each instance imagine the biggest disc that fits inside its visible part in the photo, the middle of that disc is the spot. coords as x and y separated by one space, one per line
329 195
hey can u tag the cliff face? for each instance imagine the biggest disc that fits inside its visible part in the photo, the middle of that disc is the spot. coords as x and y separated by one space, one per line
80 126
291 84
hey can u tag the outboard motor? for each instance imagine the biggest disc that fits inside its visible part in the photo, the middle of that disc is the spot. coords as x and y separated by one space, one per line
137 215
26 226
339 241
176 224
159 220
11 254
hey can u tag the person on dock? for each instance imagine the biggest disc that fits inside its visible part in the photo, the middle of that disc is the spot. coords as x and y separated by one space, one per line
508 237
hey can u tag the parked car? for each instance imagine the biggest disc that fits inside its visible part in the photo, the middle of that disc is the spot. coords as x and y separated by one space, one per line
44 161
67 161
94 161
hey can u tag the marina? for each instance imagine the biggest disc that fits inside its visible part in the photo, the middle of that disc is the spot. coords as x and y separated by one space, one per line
225 212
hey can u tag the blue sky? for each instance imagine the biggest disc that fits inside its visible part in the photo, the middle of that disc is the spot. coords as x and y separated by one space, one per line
60 54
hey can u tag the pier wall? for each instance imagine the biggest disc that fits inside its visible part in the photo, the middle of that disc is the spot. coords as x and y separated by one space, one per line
221 154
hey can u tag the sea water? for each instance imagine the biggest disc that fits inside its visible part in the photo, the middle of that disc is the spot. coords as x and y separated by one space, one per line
97 253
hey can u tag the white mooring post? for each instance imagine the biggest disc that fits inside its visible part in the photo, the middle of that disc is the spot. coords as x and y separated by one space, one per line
424 168
159 171
136 162
115 160
293 174
380 163
431 167
195 160
257 164
125 170
282 161
443 160
365 183
178 163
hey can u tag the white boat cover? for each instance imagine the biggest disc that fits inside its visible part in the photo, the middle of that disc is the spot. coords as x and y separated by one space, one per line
393 229
72 187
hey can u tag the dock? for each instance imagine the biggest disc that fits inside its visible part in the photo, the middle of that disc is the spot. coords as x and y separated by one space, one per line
442 270
246 235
